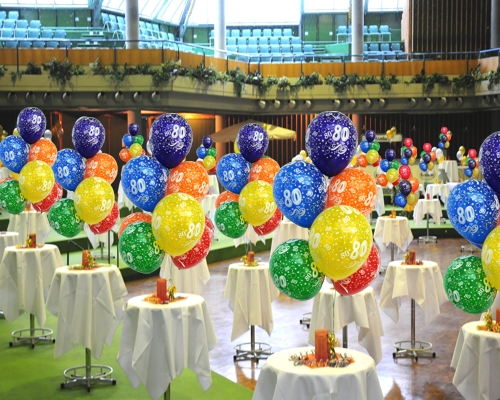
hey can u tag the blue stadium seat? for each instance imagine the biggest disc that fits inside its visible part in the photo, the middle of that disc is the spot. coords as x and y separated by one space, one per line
61 34
264 40
253 40
9 23
22 24
342 32
105 20
246 33
285 40
296 40
257 32
231 41
396 47
13 15
296 48
120 20
385 31
232 48
287 32
274 40
112 18
365 47
235 33
275 49
267 32
277 32
308 49
35 24
252 49
373 31
385 47
46 34
3 15
374 47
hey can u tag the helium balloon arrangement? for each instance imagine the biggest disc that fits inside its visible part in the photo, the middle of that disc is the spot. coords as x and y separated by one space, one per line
444 140
471 162
427 158
206 154
369 147
133 143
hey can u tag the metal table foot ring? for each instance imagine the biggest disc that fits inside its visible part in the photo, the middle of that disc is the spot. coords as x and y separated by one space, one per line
252 351
413 349
32 336
306 319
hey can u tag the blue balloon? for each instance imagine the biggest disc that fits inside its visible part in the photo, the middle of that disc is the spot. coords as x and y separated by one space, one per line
133 129
390 154
233 172
170 140
144 181
400 200
370 136
385 165
69 168
300 192
444 138
489 163
201 152
14 153
31 124
128 140
207 142
426 158
423 166
88 136
471 164
473 209
252 141
331 141
364 146
407 152
405 187
468 172
404 161
441 145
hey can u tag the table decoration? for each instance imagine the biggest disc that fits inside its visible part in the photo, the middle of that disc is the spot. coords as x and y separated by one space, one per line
490 325
164 294
24 246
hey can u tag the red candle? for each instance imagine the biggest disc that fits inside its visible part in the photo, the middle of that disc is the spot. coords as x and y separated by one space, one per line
428 196
85 258
161 288
250 257
32 240
498 316
321 344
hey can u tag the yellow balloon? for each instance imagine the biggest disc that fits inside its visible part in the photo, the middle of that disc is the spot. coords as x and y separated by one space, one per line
441 159
462 149
475 172
303 153
36 180
446 145
209 162
411 161
257 203
409 208
372 156
393 129
178 223
1 164
15 132
135 150
14 175
390 134
392 175
430 166
94 199
340 240
236 149
353 161
412 199
310 161
490 257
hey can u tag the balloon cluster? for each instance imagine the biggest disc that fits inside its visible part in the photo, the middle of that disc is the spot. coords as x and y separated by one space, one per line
408 152
369 147
133 143
206 154
471 162
391 133
444 140
427 158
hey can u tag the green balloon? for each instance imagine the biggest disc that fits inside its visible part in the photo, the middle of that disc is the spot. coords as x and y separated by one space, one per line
212 151
139 249
422 153
375 146
63 218
466 285
11 199
395 165
139 139
229 220
293 270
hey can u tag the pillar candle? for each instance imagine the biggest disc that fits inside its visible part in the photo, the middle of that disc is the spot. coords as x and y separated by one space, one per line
321 344
85 258
32 240
250 257
498 316
161 288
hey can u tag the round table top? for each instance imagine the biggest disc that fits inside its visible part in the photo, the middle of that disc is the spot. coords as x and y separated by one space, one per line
241 266
190 301
426 264
45 247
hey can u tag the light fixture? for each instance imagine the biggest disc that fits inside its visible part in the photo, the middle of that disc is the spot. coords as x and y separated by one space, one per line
308 103
101 97
367 103
119 96
428 101
12 97
412 102
155 96
336 103
459 101
442 101
352 103
30 97
381 103
137 96
66 97
47 97
486 100
262 104
277 104
291 103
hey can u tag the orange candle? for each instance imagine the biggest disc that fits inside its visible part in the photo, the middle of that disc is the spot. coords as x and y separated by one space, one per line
161 288
85 258
428 196
321 344
32 240
498 316
250 257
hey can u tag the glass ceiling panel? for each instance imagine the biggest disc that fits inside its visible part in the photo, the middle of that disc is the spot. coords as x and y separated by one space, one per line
385 5
311 6
172 11
45 3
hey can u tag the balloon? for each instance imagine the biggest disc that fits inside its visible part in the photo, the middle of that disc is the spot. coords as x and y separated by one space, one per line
414 184
229 220
135 150
300 192
490 257
400 200
11 199
340 240
94 199
207 141
372 156
171 138
14 152
423 166
471 164
390 154
212 152
411 161
125 155
472 153
433 155
128 140
385 165
331 141
31 124
133 129
138 248
447 145
467 286
362 161
236 150
199 252
63 218
293 270
69 168
107 223
407 153
144 181
411 199
256 202
441 145
88 136
178 223
201 152
475 173
214 168
131 218
252 141
427 147
103 166
189 177
404 161
408 142
208 162
139 140
49 201
405 172
271 225
405 188
489 163
226 196
370 136
233 172
462 149
265 170
444 130
430 166
43 150
376 163
427 158
473 210
392 175
375 146
36 180
353 187
444 138
448 136
382 180
364 146
362 278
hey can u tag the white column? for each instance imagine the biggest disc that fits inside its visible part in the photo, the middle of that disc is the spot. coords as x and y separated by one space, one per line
220 29
357 29
132 23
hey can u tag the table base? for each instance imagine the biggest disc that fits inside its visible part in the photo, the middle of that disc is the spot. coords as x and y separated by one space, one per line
468 247
32 335
74 378
427 238
253 350
306 319
413 349
382 269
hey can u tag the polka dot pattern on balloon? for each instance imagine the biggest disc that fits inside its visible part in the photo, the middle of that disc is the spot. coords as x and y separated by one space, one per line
14 153
63 218
256 202
69 169
36 181
489 161
189 177
31 124
265 170
88 136
94 199
252 141
11 199
43 150
103 166
490 257
229 220
233 172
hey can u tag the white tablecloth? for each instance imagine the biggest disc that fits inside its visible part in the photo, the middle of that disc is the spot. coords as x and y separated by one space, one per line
25 276
29 222
423 283
123 200
332 311
380 206
214 185
392 230
288 230
452 185
4 173
476 360
281 380
208 205
250 291
432 207
185 280
159 341
451 169
249 236
88 305
442 190
8 239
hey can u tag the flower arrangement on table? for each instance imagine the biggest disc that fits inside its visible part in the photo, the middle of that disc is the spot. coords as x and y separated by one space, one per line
411 259
249 260
490 325
163 295
88 262
30 243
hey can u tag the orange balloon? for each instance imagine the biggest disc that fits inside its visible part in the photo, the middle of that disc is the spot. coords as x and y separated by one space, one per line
103 166
125 155
353 187
43 150
382 180
413 151
130 219
448 136
414 184
189 177
362 161
226 196
265 170
433 155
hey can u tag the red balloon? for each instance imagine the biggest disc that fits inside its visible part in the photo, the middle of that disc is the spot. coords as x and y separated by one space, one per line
362 278
472 153
214 169
49 201
271 225
444 130
107 223
404 171
377 163
408 142
226 196
135 217
199 251
427 147
397 182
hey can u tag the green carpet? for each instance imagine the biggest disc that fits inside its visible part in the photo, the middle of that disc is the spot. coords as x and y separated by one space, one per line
34 373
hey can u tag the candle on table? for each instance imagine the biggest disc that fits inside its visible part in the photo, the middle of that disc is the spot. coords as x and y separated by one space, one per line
161 288
321 344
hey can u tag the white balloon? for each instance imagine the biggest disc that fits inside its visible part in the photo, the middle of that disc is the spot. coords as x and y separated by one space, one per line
459 155
47 134
148 147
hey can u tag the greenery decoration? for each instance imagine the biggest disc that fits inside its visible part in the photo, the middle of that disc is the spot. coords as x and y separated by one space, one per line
62 72
309 81
208 76
429 81
493 78
31 69
284 84
2 70
467 81
386 82
167 70
117 74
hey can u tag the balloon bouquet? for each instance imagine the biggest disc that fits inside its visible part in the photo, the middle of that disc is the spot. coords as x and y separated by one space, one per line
471 162
370 148
340 239
206 155
133 143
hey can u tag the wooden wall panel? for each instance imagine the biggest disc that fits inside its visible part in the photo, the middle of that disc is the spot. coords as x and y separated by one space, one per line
336 69
449 67
488 64
139 56
86 56
279 70
364 68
